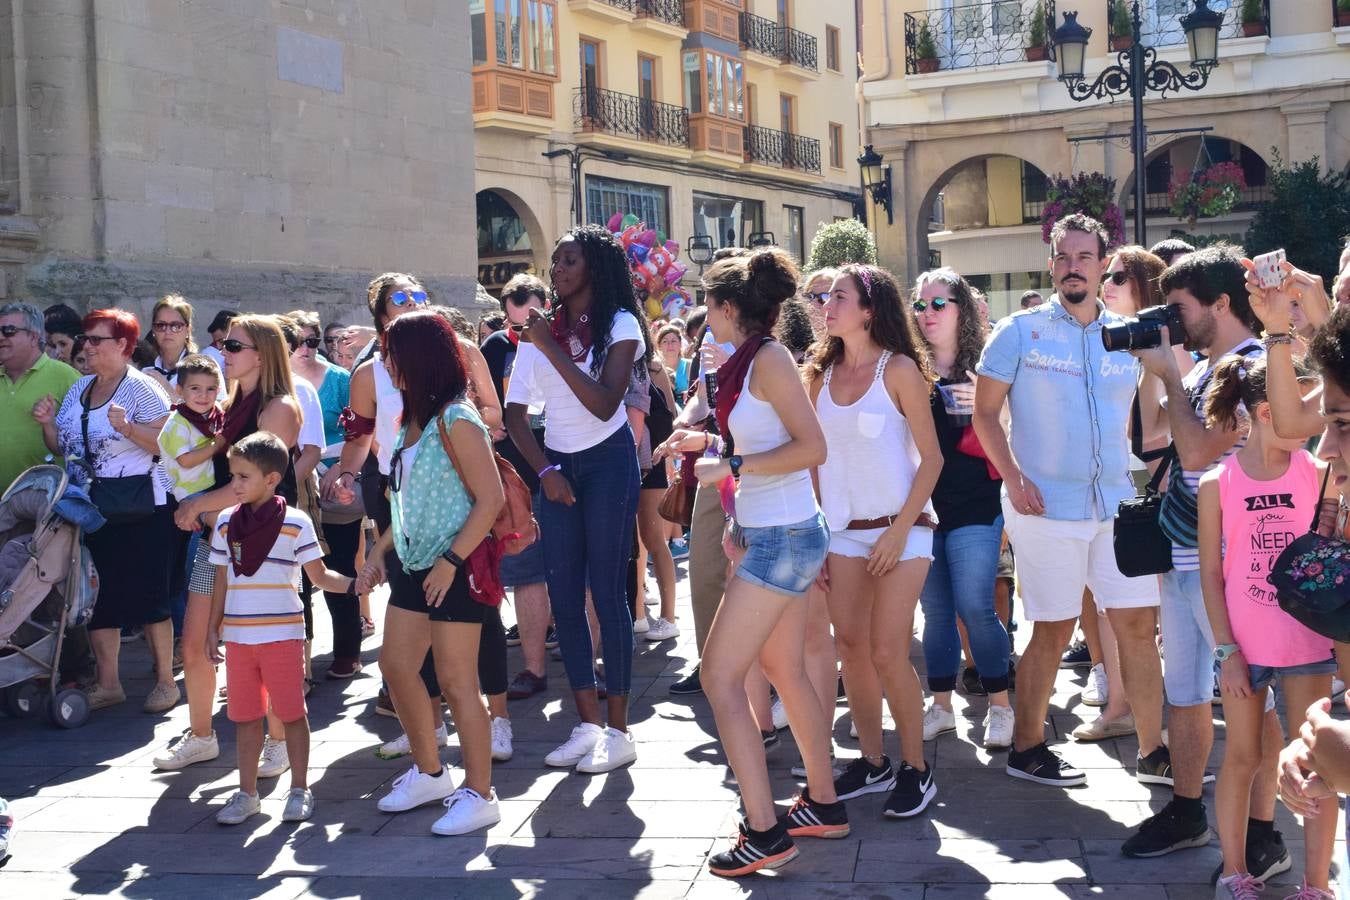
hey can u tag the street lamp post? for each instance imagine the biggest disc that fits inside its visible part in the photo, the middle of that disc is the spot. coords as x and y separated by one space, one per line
877 180
1138 71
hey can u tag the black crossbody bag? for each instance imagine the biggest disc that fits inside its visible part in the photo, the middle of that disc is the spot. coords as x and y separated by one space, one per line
1142 548
123 500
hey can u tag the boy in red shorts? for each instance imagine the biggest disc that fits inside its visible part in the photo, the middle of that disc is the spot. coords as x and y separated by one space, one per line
259 548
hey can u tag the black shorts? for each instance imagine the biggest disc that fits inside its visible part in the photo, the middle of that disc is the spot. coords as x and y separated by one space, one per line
656 479
406 592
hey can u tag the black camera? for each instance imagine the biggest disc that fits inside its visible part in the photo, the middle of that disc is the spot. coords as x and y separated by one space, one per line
1145 330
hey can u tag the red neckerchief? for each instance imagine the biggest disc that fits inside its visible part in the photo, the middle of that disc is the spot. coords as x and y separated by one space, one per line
250 534
512 335
209 425
731 378
242 414
575 339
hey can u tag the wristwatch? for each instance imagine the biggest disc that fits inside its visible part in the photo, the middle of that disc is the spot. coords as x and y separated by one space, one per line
1223 651
453 559
735 463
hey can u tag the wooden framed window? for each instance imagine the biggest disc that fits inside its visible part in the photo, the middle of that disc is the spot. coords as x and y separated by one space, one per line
836 145
832 48
787 113
591 76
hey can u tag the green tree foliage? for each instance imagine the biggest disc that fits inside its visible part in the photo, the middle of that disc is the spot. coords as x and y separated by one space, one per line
1308 215
842 242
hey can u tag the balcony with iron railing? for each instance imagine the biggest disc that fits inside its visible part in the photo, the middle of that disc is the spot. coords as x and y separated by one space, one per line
1158 204
1160 20
628 116
668 12
788 45
988 33
782 149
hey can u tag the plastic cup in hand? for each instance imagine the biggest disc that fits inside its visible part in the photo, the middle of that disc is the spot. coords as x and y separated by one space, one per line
959 401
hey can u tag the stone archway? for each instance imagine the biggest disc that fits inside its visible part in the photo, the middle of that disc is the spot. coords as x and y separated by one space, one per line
510 238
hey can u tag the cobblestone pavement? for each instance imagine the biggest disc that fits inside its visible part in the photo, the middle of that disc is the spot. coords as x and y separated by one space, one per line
95 819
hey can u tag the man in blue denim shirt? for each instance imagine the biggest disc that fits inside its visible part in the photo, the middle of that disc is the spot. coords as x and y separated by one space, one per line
1063 476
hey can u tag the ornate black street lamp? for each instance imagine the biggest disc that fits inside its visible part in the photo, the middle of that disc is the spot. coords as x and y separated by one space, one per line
877 180
1137 72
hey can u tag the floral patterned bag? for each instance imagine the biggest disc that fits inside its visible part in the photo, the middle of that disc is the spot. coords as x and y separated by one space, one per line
1312 578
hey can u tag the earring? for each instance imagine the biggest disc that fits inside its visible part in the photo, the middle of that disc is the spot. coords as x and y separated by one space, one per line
867 324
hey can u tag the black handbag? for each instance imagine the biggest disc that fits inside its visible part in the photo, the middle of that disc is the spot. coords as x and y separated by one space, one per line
1312 580
1142 548
122 500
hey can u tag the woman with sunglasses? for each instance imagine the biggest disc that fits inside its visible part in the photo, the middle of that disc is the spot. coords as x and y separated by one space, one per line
262 398
576 369
670 345
445 495
171 336
969 534
815 291
107 427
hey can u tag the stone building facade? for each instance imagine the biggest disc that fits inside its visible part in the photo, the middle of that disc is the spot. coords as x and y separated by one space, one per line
250 154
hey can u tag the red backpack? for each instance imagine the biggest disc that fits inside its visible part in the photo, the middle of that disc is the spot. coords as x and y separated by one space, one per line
515 528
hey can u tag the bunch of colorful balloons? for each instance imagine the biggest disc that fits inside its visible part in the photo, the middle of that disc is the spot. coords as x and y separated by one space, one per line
655 267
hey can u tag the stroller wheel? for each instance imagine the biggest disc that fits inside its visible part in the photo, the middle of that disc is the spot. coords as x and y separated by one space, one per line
70 708
23 701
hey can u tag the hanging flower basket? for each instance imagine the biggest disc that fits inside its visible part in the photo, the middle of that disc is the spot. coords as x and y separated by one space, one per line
1089 193
1206 194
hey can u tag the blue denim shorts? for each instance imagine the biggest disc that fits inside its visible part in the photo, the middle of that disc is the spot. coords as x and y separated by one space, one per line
527 566
785 558
1260 676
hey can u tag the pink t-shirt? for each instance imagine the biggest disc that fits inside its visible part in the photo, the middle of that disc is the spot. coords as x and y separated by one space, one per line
1261 519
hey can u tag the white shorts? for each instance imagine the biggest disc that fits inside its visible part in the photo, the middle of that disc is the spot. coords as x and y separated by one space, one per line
1056 559
859 543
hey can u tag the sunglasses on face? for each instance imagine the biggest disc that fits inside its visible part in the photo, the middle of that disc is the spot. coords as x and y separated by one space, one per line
821 297
10 330
230 345
1116 278
330 341
403 298
938 304
310 342
97 340
175 327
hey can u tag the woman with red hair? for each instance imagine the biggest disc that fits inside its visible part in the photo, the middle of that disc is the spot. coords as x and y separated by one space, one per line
107 428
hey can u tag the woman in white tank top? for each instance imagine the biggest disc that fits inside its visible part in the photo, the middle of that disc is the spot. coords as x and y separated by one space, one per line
871 382
776 545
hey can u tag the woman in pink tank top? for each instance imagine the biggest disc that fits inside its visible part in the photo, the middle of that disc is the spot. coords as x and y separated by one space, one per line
1251 507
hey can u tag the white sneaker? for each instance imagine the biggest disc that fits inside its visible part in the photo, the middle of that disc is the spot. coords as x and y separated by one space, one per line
642 625
613 751
240 807
937 720
466 810
274 759
188 749
998 727
1096 692
779 715
413 789
400 745
584 738
501 741
661 630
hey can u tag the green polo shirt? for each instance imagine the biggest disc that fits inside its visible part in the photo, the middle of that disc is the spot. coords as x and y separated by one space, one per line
23 446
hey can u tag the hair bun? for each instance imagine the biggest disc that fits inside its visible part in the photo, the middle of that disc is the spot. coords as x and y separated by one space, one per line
773 272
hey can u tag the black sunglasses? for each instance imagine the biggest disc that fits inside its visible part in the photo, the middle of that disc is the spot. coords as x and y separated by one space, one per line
230 345
396 470
175 327
939 304
311 342
97 339
1116 278
10 330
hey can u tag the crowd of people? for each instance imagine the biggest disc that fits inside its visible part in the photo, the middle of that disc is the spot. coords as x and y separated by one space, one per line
831 450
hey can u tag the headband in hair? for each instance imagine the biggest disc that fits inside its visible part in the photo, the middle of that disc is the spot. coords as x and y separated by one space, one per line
865 276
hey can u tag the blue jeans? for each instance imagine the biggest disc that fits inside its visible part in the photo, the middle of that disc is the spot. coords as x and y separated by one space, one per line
961 583
591 541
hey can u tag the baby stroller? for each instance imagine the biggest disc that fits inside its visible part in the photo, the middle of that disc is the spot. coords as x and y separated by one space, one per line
47 585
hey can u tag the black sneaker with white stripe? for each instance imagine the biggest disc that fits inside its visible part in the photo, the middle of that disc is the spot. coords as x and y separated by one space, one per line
913 791
810 818
1043 766
861 777
754 850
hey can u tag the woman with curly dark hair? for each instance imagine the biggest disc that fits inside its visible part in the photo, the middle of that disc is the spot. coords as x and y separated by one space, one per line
969 534
575 368
870 379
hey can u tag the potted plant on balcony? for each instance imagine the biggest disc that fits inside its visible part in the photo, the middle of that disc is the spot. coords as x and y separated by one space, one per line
1342 13
925 50
1206 194
1036 51
1253 18
1122 29
1089 193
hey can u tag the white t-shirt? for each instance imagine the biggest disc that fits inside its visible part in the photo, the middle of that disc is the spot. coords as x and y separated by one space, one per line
311 425
538 385
265 607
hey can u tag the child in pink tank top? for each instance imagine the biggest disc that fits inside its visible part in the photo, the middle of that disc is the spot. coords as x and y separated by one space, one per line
1251 507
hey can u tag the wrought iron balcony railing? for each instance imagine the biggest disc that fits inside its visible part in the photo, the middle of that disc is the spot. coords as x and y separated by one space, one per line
1161 19
988 33
628 116
671 11
782 149
771 39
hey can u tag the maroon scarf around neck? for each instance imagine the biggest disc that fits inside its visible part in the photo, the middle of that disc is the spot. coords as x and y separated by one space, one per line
242 415
250 534
209 425
731 378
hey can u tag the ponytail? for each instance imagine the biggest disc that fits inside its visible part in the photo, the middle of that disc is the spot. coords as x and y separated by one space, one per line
1230 388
